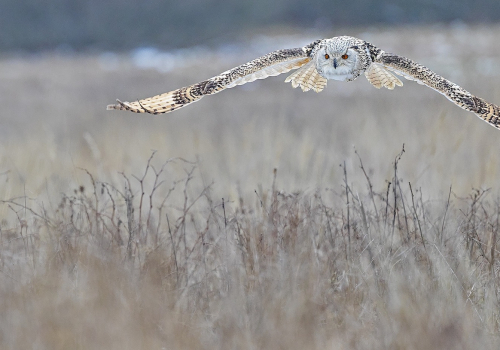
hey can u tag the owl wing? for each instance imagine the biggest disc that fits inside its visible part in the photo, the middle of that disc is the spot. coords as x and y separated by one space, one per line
307 78
379 77
413 71
272 64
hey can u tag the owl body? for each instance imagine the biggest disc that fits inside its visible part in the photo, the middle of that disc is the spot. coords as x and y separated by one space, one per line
341 58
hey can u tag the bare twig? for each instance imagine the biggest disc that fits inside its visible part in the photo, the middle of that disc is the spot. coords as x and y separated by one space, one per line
226 251
386 204
494 240
129 199
174 250
404 211
416 214
395 191
370 186
444 216
348 213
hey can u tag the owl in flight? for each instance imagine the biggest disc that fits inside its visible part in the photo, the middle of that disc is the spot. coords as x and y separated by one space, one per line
341 58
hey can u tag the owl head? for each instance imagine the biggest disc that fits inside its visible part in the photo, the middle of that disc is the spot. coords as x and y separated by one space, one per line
341 58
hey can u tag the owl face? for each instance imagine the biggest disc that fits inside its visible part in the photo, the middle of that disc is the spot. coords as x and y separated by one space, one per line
339 59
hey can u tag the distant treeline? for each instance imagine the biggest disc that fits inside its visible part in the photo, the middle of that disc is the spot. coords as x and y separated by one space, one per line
33 25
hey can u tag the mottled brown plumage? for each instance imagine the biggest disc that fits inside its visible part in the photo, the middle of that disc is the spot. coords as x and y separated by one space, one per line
275 63
461 97
340 58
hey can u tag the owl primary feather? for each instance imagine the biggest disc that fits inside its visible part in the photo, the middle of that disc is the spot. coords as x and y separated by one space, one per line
341 58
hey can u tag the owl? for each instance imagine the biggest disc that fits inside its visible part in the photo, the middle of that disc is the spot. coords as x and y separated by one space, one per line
342 58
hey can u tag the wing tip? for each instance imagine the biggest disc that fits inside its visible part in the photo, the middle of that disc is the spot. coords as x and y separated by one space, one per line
119 106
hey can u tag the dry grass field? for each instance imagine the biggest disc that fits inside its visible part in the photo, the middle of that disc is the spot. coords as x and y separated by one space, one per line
259 218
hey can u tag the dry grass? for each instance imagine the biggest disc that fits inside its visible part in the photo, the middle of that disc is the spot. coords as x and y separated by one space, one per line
204 245
157 265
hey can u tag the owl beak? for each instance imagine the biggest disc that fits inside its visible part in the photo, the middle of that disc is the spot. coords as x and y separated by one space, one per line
335 63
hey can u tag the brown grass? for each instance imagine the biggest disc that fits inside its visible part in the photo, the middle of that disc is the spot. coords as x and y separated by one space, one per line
164 266
242 230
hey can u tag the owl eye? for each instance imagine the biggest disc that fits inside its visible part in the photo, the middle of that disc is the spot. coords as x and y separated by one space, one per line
327 56
345 56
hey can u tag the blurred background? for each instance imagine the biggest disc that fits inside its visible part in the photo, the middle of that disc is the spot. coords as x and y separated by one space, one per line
63 61
125 24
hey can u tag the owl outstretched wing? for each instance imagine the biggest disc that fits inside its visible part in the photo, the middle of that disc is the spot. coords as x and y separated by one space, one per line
307 78
379 77
272 64
413 71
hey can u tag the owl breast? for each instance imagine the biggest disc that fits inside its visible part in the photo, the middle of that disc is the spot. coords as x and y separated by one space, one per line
341 73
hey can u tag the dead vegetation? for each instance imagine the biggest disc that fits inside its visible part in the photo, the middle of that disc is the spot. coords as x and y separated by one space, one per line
149 263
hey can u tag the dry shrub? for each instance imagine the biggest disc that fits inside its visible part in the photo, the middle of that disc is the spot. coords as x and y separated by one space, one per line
151 263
